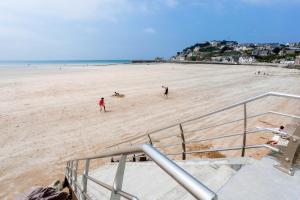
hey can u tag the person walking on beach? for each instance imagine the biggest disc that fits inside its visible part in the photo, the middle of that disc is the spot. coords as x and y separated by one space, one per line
102 104
166 90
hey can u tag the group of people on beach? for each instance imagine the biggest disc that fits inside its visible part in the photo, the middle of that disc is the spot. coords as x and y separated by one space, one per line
261 73
102 102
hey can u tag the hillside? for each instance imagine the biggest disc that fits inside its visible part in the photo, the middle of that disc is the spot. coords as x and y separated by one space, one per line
233 52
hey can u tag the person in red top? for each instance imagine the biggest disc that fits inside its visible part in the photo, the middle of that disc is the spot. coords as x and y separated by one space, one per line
102 104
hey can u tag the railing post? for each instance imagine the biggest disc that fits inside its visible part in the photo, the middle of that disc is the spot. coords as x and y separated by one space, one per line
71 173
67 170
118 179
150 140
75 167
84 177
183 143
245 130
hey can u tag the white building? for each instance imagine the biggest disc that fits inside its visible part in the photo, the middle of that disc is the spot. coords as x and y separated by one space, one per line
281 52
243 48
217 59
196 49
214 43
191 54
287 62
181 58
246 60
297 61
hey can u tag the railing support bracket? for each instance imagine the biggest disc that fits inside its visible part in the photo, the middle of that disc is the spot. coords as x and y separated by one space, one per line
84 177
118 179
290 154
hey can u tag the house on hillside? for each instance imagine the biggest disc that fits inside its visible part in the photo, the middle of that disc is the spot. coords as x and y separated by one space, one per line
180 58
231 43
217 59
191 54
243 48
281 52
297 61
230 59
287 62
215 43
257 52
246 60
197 49
293 50
264 53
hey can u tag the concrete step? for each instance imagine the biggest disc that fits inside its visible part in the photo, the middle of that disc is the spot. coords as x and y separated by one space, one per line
147 181
261 180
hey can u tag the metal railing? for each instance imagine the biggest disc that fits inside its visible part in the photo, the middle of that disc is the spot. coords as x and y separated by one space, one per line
192 185
244 133
258 129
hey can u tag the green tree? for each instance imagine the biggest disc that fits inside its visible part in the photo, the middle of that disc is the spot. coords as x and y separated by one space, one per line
276 50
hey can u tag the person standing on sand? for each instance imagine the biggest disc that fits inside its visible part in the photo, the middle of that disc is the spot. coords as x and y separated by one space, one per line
102 104
166 90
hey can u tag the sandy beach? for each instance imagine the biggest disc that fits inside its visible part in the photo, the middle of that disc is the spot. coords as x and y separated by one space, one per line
49 115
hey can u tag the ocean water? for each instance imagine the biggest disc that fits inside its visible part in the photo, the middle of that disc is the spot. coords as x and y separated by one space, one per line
25 63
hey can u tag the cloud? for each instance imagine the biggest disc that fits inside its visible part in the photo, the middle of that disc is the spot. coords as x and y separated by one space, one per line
171 3
49 25
231 2
64 23
111 10
150 30
264 2
80 9
69 9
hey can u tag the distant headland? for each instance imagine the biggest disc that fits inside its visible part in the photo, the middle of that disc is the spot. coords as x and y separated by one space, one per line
245 53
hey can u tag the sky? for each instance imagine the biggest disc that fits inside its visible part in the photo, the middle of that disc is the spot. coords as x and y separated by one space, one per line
137 29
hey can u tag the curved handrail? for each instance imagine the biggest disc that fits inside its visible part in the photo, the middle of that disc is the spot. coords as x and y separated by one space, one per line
120 192
191 184
277 94
241 119
217 125
254 146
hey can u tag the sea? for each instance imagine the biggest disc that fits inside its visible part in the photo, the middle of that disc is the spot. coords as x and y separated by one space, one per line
26 63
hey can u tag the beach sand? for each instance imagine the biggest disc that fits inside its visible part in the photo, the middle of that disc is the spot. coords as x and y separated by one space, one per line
48 115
